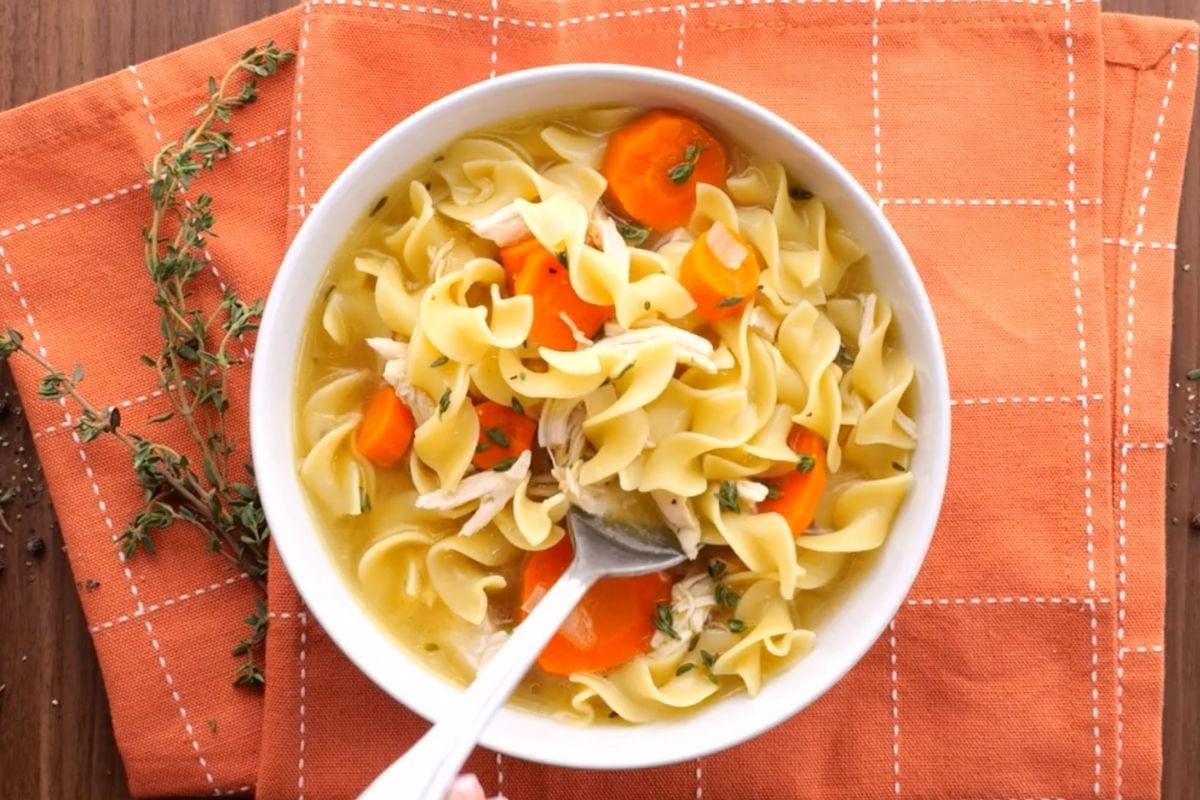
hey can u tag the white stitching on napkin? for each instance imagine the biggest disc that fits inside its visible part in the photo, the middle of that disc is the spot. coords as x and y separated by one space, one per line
1126 400
1122 242
991 201
875 103
649 10
1089 526
682 33
1127 447
1017 399
1140 649
303 674
108 197
895 708
167 603
1007 600
103 507
141 398
495 38
146 103
300 188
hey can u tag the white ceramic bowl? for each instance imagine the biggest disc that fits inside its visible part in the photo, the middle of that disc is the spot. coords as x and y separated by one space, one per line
843 637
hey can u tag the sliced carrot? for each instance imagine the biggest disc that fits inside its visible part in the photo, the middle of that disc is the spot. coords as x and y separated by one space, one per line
386 429
719 290
514 256
503 434
796 494
653 164
537 272
612 623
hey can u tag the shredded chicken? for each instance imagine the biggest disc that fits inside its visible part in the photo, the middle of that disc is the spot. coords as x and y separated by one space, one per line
752 492
677 512
595 236
690 348
596 498
692 601
542 486
560 430
492 489
395 372
485 646
602 233
504 227
576 334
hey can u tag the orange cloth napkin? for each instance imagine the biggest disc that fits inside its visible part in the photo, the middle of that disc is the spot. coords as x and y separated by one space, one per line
1030 154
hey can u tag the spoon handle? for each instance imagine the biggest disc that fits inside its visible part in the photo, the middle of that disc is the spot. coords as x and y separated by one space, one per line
428 769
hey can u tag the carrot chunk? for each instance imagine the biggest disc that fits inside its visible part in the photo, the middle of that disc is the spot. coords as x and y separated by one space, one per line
514 257
533 270
612 623
503 435
796 494
386 429
720 288
653 164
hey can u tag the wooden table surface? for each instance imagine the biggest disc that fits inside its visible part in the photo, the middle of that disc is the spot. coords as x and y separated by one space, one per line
55 733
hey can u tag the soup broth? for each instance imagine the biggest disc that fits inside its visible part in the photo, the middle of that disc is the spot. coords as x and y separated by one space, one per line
623 309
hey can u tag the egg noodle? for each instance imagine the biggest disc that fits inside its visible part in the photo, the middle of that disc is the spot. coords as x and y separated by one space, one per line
661 412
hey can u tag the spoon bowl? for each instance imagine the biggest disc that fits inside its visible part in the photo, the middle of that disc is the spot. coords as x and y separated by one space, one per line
620 547
604 548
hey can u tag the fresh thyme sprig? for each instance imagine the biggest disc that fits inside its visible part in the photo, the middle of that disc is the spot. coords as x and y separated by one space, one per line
250 673
192 365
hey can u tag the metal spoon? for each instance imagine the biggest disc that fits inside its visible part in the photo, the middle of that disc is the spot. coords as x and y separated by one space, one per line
603 548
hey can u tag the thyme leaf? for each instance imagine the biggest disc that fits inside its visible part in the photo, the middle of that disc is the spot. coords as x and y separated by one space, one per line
193 485
727 497
684 169
664 620
726 597
708 660
634 235
497 436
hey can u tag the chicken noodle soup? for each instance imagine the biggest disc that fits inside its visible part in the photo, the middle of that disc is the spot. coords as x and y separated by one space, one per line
617 308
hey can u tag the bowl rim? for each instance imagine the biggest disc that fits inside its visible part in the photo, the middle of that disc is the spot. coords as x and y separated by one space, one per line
329 609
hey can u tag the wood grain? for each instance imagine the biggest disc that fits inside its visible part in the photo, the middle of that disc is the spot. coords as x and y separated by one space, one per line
55 732
56 736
